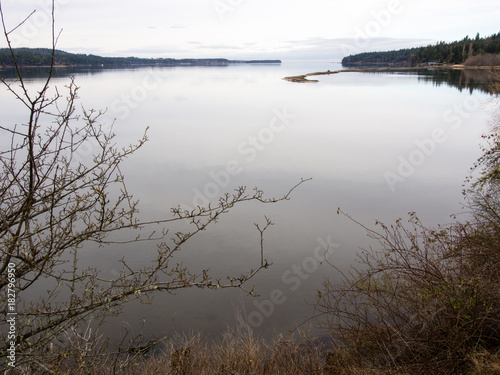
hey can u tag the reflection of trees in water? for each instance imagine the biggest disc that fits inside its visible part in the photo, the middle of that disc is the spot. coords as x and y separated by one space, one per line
467 79
57 72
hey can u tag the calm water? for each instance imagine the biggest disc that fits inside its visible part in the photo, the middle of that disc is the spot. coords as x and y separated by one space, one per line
377 145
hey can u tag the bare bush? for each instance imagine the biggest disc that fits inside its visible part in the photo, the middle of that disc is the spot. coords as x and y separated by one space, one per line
422 301
483 59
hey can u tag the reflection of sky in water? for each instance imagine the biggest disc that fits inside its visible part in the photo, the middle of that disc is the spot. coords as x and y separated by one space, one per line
346 132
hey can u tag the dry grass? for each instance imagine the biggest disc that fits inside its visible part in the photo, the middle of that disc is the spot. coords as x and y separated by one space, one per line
485 363
244 355
232 355
182 355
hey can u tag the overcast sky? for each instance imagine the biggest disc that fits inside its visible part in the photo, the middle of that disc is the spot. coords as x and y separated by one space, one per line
280 29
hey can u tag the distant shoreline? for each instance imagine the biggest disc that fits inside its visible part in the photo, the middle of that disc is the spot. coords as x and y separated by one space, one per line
303 78
200 62
45 57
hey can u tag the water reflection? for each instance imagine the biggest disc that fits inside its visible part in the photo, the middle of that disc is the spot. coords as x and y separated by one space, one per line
462 79
467 79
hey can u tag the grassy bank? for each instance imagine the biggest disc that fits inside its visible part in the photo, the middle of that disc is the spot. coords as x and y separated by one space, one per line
233 355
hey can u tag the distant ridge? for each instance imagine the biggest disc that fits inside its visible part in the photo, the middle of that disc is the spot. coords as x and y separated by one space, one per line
42 57
459 52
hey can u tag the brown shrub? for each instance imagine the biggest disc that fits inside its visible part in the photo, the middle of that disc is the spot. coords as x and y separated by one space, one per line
483 59
423 302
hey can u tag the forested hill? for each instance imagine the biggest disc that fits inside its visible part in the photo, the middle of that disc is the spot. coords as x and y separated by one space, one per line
42 57
477 51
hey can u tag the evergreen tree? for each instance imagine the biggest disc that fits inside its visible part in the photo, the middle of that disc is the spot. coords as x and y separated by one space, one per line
451 53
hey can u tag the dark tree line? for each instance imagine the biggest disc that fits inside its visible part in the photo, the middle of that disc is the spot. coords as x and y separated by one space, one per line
43 57
457 52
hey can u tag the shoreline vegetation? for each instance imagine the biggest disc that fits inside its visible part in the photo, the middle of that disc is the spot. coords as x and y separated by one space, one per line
41 57
303 78
468 51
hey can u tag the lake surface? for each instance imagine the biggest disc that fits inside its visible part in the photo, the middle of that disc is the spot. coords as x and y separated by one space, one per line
376 145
